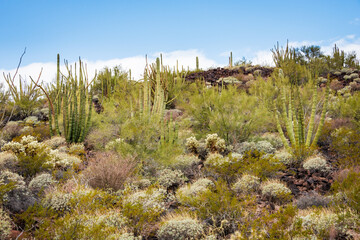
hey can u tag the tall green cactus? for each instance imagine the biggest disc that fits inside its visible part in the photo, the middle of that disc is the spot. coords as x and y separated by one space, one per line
294 118
197 63
74 100
231 60
76 94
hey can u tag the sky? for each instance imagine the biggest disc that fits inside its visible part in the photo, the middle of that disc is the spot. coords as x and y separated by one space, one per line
109 33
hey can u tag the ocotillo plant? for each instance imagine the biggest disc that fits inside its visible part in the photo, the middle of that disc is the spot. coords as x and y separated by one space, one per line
293 116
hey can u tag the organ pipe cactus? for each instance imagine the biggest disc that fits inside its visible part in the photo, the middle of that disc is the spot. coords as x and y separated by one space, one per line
293 116
73 99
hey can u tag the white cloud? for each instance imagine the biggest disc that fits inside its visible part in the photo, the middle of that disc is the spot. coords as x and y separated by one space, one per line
186 58
356 21
263 58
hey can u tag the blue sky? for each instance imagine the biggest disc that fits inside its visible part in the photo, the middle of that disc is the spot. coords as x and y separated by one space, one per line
118 30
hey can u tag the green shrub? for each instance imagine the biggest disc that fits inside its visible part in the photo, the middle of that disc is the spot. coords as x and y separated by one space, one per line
143 209
253 163
214 112
220 204
349 187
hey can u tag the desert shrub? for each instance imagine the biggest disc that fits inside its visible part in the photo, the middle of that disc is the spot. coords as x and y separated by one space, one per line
77 149
316 163
278 224
63 160
57 201
141 184
275 191
220 204
349 187
150 200
55 142
186 163
214 160
169 178
264 146
5 224
312 199
41 182
253 163
85 225
214 143
192 145
319 221
213 111
180 227
11 130
31 120
143 209
8 160
274 139
285 157
98 138
191 190
33 156
246 184
261 146
346 145
18 198
109 170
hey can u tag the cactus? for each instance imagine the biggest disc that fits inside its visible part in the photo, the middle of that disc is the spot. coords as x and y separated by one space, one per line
231 60
293 116
197 63
74 100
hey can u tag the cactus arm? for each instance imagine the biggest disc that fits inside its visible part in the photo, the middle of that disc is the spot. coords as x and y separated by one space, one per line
288 123
322 118
312 117
282 135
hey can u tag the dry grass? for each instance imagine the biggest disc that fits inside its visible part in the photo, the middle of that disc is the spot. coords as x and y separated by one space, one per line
109 170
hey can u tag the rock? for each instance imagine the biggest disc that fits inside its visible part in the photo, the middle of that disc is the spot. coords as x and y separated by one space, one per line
174 113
